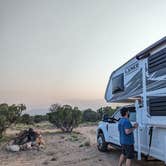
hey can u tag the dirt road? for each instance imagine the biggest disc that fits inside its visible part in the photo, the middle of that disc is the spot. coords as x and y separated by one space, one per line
111 157
78 149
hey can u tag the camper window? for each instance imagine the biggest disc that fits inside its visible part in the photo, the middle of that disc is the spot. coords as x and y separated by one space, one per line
157 106
118 84
157 61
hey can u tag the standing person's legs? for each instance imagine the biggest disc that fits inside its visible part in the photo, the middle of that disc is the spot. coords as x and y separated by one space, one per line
128 162
122 156
129 154
121 160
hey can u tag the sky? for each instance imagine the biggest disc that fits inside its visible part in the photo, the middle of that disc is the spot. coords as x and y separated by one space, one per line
63 51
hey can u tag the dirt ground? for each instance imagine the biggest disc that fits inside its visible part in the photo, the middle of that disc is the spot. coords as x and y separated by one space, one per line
77 149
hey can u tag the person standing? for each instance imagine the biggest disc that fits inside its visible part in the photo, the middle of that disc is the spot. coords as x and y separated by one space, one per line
126 137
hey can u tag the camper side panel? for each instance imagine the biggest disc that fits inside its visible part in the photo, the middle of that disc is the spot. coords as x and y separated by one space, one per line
125 83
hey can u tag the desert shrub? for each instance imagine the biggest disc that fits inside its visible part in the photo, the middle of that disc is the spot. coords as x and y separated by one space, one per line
87 143
64 117
89 116
45 117
26 119
9 115
105 110
73 137
39 118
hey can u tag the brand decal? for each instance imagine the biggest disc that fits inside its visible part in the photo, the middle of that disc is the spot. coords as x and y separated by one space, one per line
133 67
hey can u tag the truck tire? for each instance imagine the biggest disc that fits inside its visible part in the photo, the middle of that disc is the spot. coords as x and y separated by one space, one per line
101 144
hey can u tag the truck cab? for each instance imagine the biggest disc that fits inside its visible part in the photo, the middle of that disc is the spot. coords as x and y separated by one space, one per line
107 131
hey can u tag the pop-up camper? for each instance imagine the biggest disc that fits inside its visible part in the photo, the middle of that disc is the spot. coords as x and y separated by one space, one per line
142 82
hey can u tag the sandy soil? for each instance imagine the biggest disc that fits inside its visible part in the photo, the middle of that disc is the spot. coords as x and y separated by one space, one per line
66 149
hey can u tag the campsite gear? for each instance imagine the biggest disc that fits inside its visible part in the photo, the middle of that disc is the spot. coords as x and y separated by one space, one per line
32 135
21 138
26 140
13 148
25 136
40 140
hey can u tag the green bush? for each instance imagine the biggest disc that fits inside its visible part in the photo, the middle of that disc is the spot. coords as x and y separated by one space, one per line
39 118
64 117
9 115
105 110
26 119
89 116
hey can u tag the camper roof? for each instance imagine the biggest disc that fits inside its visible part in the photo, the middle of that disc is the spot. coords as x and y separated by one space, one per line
145 53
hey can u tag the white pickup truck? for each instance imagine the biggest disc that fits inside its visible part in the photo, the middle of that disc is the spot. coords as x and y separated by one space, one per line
107 131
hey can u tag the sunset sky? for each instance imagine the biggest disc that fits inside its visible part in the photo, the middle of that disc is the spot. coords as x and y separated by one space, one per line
63 51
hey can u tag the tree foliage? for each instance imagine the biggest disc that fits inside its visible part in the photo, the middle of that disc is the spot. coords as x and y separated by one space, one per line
105 110
26 119
40 118
9 115
89 116
64 117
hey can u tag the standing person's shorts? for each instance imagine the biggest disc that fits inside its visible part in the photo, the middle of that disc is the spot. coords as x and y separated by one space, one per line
128 151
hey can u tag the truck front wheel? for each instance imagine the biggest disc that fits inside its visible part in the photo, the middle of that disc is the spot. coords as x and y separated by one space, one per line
101 144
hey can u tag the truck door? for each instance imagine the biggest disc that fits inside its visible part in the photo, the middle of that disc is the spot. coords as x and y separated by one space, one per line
113 128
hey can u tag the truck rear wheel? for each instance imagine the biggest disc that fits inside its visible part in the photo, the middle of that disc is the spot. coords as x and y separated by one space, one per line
101 144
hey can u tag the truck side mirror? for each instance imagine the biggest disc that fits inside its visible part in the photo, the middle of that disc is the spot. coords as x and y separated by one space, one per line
112 120
109 120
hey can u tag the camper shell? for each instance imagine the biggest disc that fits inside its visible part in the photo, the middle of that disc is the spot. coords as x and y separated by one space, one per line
129 76
141 81
142 78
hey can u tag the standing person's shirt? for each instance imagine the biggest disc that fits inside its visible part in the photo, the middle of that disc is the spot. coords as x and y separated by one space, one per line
125 139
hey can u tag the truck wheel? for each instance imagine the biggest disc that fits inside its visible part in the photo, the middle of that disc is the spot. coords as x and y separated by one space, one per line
101 144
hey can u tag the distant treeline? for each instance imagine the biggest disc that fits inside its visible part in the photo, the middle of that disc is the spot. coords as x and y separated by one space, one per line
64 117
87 115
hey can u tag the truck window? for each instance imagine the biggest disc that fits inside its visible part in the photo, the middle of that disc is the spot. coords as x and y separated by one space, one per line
117 115
118 84
132 111
132 116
